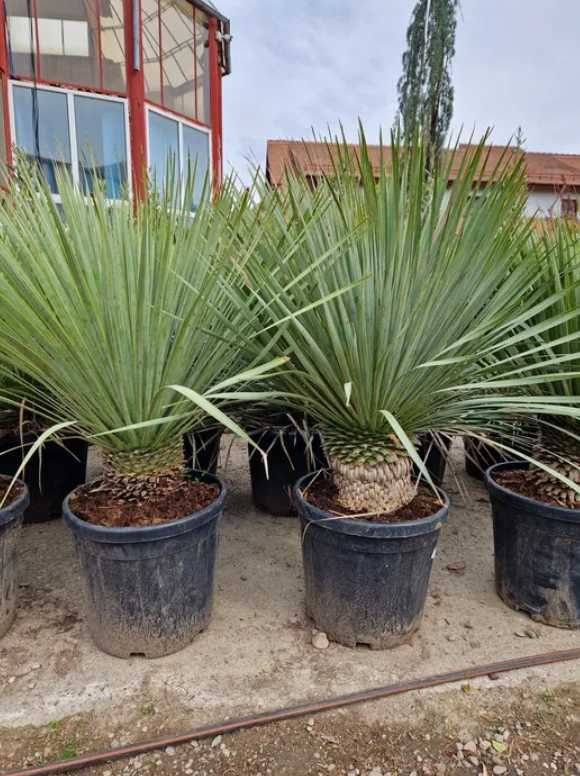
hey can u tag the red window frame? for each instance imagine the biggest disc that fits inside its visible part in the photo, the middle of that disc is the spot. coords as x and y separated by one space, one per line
194 23
135 92
68 84
4 71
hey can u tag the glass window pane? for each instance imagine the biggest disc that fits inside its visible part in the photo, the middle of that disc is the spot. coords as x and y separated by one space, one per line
163 148
42 129
68 36
113 45
102 144
151 45
21 38
178 56
202 66
196 160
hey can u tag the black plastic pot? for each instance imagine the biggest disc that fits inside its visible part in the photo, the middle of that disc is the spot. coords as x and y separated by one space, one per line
11 517
537 554
434 457
202 450
289 459
149 590
479 456
366 583
50 475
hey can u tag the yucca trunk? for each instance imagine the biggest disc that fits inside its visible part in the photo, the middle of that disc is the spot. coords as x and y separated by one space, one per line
140 472
372 474
561 452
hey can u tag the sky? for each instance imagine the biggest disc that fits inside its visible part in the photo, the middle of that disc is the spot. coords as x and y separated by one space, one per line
300 65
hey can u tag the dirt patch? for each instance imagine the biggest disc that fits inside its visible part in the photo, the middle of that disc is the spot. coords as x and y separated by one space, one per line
323 494
519 481
101 503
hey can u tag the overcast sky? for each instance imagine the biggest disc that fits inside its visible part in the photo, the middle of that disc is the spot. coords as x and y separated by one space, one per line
299 64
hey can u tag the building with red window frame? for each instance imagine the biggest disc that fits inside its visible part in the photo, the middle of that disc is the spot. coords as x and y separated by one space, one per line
113 87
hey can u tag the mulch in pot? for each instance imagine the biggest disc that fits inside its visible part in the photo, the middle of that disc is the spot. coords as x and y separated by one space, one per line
519 482
102 503
323 494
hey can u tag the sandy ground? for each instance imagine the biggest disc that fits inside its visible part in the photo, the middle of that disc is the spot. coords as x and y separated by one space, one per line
258 653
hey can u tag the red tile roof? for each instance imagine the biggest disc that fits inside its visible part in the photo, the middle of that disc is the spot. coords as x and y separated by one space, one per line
314 159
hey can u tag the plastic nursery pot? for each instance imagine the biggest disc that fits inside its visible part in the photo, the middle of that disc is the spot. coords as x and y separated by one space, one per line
149 590
435 458
50 474
537 554
202 450
289 459
366 583
11 517
479 456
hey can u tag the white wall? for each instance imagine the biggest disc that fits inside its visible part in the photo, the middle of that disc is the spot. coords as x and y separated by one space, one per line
544 204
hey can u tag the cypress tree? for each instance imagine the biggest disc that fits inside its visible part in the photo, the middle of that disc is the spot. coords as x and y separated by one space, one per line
425 88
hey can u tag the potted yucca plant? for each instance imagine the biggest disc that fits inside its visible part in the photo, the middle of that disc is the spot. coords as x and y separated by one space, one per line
292 446
52 472
202 448
284 433
397 358
536 515
124 325
292 449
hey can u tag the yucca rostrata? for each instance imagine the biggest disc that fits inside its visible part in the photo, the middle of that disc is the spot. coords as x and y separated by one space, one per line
414 348
557 251
126 322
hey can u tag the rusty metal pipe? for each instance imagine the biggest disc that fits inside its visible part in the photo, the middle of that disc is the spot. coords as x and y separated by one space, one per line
302 710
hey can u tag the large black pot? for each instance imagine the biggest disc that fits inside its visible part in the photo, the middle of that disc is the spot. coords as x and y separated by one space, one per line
149 591
202 450
537 554
11 517
366 583
289 459
479 456
435 457
50 474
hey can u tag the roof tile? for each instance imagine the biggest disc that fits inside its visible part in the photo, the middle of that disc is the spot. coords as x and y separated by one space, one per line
316 158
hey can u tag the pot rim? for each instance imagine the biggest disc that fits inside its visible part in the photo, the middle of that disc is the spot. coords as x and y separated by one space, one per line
360 527
15 508
147 533
526 503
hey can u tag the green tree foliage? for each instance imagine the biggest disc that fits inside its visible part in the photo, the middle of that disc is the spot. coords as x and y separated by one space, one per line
425 89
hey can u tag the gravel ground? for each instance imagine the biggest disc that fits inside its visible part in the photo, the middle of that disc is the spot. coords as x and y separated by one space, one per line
511 733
